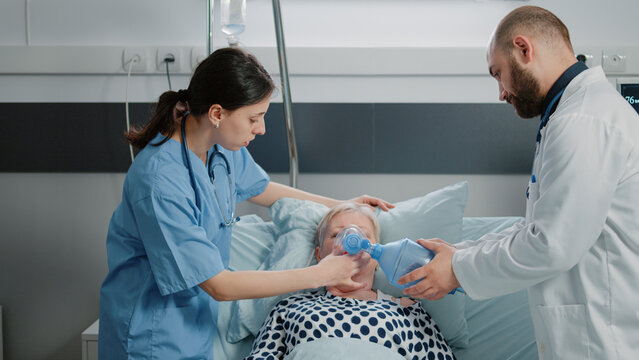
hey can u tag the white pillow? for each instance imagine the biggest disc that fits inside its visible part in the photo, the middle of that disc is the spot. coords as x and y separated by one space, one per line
252 241
437 214
296 221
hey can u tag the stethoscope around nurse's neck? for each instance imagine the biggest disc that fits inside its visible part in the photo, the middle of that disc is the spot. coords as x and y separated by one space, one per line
210 167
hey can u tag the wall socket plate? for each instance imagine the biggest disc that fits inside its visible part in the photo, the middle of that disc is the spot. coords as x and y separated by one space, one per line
585 58
613 61
198 54
164 52
138 56
591 54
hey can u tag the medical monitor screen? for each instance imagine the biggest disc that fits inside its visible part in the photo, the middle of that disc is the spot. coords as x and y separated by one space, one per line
630 92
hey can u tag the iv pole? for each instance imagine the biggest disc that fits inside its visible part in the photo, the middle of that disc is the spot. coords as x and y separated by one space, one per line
286 94
286 91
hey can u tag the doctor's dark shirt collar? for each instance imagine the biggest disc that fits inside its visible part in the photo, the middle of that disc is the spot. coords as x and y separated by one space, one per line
561 83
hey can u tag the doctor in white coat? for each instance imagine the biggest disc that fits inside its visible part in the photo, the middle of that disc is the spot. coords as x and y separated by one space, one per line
577 251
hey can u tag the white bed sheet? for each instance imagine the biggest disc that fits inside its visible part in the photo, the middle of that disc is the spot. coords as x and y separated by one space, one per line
501 327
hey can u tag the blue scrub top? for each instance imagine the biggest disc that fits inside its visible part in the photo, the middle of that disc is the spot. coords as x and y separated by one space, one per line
160 246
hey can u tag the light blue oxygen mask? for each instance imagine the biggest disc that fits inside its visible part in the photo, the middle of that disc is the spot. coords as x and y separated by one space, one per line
396 259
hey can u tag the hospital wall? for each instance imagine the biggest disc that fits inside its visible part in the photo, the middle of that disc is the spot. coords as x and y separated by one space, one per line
52 247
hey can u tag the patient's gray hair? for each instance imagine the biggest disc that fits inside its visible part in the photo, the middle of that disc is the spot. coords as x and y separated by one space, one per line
320 231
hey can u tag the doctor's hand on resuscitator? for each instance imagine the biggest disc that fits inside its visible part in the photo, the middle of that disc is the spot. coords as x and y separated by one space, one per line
438 278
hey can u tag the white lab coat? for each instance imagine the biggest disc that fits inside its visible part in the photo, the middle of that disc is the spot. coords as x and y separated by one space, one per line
577 252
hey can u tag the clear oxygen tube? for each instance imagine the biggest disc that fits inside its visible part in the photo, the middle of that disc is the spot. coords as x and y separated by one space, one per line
396 259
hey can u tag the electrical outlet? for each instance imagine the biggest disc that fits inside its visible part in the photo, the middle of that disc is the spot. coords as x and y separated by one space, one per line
135 55
169 53
198 55
614 61
585 58
591 56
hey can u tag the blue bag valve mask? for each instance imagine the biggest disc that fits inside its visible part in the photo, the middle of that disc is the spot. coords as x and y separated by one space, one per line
396 259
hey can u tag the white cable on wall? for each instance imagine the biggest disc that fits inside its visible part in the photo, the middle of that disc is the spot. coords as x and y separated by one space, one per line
126 103
168 76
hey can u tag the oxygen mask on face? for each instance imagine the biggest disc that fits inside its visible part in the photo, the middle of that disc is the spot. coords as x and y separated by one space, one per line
351 240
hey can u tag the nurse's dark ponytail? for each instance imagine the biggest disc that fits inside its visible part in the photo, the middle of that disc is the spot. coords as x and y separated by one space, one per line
229 77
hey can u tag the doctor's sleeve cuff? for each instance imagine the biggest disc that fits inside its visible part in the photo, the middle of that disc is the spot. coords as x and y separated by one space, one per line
493 236
464 244
467 277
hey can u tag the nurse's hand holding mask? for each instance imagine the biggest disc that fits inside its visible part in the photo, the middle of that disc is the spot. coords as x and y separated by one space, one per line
438 278
339 270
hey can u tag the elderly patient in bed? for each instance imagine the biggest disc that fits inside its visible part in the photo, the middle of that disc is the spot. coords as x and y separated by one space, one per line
399 324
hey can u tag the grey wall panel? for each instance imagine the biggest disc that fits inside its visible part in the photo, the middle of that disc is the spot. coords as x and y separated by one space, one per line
66 137
335 138
271 150
452 139
331 138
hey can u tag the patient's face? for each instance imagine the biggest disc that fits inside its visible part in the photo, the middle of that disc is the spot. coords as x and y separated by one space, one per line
341 221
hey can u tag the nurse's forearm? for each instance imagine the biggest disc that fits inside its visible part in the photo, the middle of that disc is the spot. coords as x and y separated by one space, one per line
233 285
275 191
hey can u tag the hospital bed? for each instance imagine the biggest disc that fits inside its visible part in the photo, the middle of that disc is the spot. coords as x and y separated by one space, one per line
498 328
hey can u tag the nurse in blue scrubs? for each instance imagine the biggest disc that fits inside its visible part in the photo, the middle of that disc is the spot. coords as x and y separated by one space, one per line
169 240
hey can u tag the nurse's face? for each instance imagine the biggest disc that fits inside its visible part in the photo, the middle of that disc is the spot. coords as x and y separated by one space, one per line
240 126
517 86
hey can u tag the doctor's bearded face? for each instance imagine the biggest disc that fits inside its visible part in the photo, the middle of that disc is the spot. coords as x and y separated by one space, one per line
517 85
526 96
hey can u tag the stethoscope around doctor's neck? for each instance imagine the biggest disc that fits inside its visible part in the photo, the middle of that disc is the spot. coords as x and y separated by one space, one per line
210 167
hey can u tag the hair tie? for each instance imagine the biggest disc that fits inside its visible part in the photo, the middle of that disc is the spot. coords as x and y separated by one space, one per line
184 95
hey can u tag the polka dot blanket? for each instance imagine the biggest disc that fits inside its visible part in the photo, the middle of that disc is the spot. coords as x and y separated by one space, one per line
307 317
